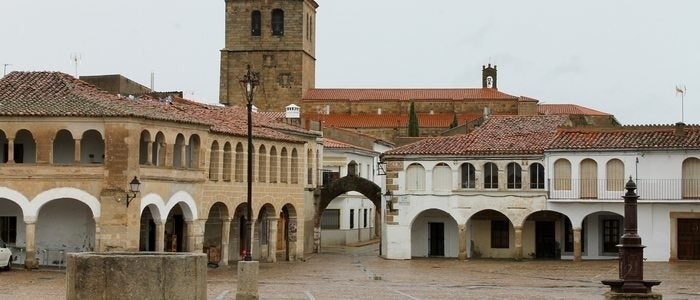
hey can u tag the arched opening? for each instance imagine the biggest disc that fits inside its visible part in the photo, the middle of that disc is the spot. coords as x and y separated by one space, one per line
545 233
12 229
144 146
192 159
179 148
295 167
239 233
92 148
589 179
158 150
603 232
274 170
24 147
287 233
490 234
214 162
415 177
175 230
148 233
227 162
442 178
63 225
238 172
277 22
265 236
284 166
63 148
262 164
216 234
434 233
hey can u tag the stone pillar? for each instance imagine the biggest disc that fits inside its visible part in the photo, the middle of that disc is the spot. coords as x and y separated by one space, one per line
183 156
98 236
518 242
149 154
225 235
30 236
195 236
160 236
577 244
272 243
10 150
462 232
247 287
76 151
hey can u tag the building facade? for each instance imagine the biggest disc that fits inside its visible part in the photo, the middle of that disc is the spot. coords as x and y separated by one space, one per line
531 187
70 152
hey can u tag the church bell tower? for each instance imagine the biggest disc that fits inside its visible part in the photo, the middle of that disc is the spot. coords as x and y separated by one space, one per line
277 38
488 77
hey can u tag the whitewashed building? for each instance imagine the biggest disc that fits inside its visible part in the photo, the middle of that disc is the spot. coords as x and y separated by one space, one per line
532 187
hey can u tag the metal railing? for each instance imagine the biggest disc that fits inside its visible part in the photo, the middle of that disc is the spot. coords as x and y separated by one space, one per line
613 189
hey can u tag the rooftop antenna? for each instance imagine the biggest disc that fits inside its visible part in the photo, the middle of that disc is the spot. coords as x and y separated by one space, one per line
75 58
4 69
680 89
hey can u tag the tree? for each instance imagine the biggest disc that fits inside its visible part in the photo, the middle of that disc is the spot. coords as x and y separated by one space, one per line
454 122
412 121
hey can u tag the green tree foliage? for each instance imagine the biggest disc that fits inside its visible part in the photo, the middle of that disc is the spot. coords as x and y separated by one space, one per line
454 122
412 121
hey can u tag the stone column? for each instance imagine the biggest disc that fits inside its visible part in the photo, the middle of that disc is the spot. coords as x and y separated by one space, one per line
225 235
10 150
76 151
272 243
462 232
518 242
183 156
577 244
149 154
160 236
98 236
30 260
195 236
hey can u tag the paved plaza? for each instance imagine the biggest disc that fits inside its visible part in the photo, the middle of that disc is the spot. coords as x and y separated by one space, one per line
358 273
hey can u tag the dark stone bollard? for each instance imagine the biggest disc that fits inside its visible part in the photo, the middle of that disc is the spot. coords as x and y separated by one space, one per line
136 275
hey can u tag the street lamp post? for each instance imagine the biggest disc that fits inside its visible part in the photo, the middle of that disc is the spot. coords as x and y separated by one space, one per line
247 268
249 83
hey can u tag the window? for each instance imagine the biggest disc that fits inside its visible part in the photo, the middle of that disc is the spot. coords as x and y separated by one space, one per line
262 164
536 176
468 176
515 180
295 167
562 175
214 162
255 23
8 229
415 177
330 176
614 175
589 179
490 176
352 218
691 178
442 177
330 219
277 22
499 234
611 235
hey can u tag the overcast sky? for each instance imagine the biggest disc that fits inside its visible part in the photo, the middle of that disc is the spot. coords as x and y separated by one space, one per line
620 57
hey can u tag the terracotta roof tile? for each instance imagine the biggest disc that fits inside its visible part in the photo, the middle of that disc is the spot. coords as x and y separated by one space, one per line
55 94
500 135
441 120
333 144
634 137
568 109
406 94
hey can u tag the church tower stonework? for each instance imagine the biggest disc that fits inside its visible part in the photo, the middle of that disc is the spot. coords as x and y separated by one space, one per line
488 77
277 38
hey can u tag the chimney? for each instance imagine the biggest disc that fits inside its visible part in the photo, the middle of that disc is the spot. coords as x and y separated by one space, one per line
680 129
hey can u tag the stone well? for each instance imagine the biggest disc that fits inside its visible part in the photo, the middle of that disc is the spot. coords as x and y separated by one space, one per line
136 275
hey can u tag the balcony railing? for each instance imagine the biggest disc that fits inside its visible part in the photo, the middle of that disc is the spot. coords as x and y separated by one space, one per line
613 189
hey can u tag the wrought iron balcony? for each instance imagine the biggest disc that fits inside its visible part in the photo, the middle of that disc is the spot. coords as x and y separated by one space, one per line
613 189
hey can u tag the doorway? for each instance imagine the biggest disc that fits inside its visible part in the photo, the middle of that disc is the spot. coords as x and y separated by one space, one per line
545 241
688 239
436 239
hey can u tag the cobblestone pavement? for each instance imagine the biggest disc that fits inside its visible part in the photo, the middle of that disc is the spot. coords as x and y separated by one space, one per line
358 273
